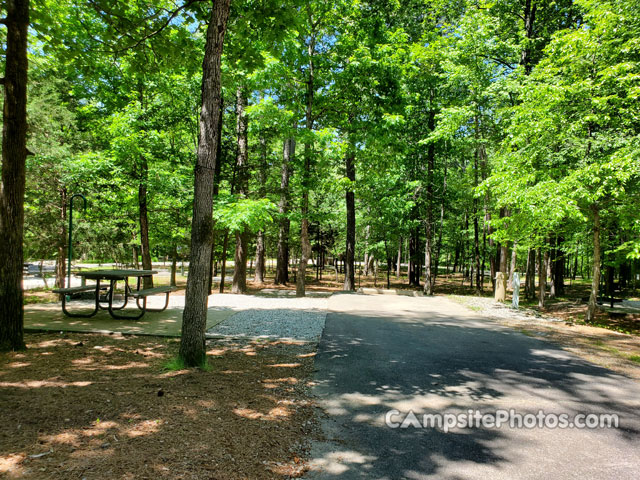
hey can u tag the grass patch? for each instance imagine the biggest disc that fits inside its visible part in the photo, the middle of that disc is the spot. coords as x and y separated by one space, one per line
176 364
634 358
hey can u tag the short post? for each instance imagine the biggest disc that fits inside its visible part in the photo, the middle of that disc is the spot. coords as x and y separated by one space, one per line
501 287
515 302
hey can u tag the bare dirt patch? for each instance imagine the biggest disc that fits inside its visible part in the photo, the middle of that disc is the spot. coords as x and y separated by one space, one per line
93 406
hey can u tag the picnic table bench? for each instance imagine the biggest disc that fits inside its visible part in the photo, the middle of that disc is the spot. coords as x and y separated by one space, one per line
114 276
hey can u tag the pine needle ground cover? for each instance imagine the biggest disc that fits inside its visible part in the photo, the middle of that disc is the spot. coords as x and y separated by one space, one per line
94 406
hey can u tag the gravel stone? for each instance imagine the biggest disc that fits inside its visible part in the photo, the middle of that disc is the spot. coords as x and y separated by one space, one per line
488 307
272 317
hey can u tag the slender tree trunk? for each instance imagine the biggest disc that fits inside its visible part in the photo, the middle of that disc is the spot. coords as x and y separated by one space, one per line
558 267
144 221
216 188
174 265
223 270
242 237
428 245
305 244
595 280
476 229
282 266
260 238
61 257
349 277
542 279
530 285
14 155
399 264
512 267
441 227
192 344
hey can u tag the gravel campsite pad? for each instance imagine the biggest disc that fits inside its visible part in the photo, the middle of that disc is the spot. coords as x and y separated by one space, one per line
299 319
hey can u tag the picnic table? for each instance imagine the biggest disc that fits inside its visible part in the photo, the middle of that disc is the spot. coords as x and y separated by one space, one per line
103 294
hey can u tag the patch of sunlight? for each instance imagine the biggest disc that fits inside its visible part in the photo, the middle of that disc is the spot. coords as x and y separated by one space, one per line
276 413
147 427
126 366
19 364
362 399
337 463
67 438
43 383
12 464
99 428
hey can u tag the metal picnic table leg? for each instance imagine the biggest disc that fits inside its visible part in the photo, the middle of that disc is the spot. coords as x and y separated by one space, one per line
112 310
83 315
112 288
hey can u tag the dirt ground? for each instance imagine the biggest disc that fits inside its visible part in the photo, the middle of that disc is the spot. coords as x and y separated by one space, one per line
94 406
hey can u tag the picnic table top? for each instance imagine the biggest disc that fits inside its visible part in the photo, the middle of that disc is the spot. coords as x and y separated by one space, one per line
116 274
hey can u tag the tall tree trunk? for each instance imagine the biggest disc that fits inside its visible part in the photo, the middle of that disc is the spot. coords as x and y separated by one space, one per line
530 7
428 244
399 264
530 282
260 238
223 269
61 256
194 319
476 228
558 267
595 280
512 267
14 155
441 227
282 265
542 278
349 258
216 189
174 265
144 220
242 237
414 276
305 243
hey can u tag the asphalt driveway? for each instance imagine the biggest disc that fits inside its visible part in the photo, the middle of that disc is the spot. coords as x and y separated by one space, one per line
382 354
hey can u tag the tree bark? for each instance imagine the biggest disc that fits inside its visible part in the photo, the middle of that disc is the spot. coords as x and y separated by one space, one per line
529 17
595 280
223 269
399 264
530 281
349 258
260 238
194 319
542 279
441 227
282 265
476 228
144 220
216 189
14 155
61 254
428 244
174 265
512 267
558 267
305 244
242 237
